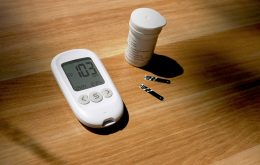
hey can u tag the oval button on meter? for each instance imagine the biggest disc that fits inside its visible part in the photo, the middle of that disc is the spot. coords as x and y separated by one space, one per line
83 99
95 97
106 92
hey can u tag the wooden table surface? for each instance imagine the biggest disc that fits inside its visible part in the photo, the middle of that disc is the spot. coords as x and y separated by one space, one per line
211 112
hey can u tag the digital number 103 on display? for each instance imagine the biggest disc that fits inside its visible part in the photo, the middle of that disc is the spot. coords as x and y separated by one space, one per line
82 74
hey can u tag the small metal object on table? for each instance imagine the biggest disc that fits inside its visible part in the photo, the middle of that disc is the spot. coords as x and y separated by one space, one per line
150 91
152 78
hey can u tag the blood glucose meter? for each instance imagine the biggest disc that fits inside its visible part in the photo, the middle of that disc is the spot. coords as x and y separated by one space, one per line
87 87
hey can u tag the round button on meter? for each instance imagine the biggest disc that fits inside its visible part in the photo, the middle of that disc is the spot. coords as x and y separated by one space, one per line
83 99
106 92
95 97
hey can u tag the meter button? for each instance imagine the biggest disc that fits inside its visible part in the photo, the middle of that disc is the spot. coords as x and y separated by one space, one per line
83 99
106 92
95 97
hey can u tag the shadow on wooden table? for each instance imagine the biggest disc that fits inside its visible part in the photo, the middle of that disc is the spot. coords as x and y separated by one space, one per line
164 66
247 13
120 125
220 71
28 142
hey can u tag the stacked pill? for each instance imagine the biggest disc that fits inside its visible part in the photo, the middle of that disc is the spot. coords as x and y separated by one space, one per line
144 27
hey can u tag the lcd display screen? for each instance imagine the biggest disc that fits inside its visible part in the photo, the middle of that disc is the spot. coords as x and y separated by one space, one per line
82 74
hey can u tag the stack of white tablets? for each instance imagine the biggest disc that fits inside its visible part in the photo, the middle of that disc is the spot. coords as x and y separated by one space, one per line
144 27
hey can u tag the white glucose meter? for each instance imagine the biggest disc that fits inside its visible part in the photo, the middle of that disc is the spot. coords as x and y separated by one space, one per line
87 87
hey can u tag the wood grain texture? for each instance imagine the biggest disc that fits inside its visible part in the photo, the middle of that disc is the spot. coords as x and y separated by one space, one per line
33 32
250 156
211 112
